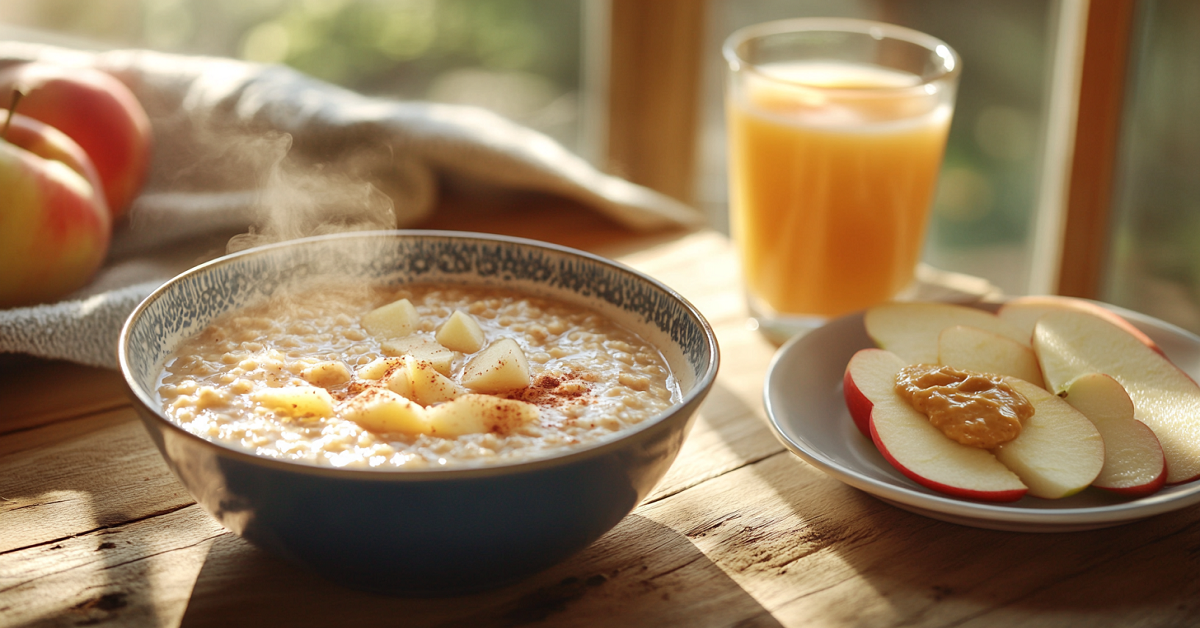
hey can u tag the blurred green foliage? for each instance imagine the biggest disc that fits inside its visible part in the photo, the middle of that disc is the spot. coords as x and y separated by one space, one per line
1154 260
519 58
396 47
988 187
403 45
523 58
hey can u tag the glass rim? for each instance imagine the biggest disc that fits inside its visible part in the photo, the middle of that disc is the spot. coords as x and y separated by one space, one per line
950 67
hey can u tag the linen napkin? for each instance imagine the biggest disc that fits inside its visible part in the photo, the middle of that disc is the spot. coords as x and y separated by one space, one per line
247 154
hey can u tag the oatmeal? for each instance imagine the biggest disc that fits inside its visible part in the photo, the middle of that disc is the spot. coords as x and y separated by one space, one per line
413 377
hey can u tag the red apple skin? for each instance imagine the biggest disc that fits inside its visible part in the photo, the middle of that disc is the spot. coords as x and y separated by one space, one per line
1184 375
862 409
1139 491
47 142
857 403
1048 302
54 224
989 496
1108 405
97 111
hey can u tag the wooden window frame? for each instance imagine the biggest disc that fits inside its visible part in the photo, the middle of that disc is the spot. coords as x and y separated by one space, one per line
654 82
1086 235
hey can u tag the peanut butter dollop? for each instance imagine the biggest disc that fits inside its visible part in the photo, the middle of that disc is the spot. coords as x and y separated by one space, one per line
975 409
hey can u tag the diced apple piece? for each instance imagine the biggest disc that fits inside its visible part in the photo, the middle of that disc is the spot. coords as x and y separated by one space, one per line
1134 464
393 320
911 329
379 368
422 348
913 445
296 401
478 414
500 367
461 332
1024 312
983 351
400 381
1059 452
379 410
1070 344
326 374
428 385
391 372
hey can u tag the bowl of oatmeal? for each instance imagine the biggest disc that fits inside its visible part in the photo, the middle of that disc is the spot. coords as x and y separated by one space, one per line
418 412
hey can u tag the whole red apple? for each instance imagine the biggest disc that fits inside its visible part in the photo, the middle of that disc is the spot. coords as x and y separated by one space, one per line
54 224
97 111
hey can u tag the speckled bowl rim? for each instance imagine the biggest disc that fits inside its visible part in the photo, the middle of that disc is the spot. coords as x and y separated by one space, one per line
704 380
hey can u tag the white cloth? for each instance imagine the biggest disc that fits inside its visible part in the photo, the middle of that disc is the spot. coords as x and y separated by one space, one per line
271 154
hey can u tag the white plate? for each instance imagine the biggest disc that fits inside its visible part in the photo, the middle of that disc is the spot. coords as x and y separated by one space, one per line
803 397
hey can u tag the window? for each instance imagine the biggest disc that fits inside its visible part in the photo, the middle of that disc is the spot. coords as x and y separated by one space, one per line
520 58
983 218
1110 212
1153 260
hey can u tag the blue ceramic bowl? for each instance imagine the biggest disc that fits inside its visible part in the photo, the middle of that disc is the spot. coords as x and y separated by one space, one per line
435 531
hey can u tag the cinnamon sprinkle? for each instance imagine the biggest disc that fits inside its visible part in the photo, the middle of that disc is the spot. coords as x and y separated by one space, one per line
551 391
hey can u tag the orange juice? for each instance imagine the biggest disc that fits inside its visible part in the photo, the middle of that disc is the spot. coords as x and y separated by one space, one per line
832 180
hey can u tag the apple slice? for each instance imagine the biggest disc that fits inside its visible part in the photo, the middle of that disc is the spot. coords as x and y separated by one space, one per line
913 445
1059 452
911 329
1070 344
983 351
1134 464
857 401
1024 312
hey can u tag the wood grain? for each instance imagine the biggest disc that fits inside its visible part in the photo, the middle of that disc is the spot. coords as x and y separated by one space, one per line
70 390
81 476
138 573
94 530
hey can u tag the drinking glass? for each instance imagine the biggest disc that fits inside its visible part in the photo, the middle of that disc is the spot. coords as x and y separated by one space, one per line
836 133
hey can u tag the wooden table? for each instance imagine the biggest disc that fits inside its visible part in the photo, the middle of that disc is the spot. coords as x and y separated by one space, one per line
94 530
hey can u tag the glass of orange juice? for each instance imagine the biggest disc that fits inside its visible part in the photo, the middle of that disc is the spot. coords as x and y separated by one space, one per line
836 132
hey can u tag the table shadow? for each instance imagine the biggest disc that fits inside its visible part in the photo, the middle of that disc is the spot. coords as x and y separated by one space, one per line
886 566
640 574
1123 575
930 572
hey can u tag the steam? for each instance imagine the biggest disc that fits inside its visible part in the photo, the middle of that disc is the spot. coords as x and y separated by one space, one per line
217 188
297 200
